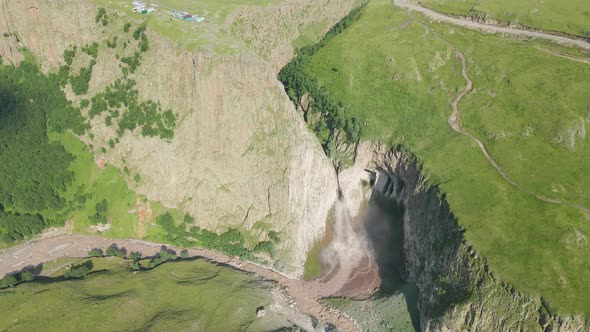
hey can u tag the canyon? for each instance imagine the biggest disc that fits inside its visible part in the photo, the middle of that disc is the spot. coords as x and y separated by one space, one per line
242 156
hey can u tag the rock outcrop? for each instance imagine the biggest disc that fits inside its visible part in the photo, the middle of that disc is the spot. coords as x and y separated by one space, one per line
457 292
241 155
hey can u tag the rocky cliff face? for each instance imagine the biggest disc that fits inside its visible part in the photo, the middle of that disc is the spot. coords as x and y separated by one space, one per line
456 290
241 155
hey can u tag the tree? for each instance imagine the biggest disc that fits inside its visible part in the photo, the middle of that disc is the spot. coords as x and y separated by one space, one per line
26 276
100 217
135 266
164 255
114 250
184 253
139 31
80 270
8 281
69 55
96 252
134 255
100 15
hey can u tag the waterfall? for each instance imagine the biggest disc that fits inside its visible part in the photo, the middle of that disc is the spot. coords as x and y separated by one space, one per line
348 249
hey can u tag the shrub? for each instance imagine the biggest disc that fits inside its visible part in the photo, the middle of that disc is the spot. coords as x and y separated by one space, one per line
163 256
26 276
102 17
188 219
113 43
135 266
132 61
84 103
96 252
91 50
100 217
139 31
144 45
114 250
134 255
80 83
8 281
79 271
69 55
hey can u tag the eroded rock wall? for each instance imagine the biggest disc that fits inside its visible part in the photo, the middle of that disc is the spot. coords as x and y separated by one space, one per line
241 155
456 290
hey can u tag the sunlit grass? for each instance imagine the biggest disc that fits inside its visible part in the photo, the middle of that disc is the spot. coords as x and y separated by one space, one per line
399 82
570 16
179 296
210 33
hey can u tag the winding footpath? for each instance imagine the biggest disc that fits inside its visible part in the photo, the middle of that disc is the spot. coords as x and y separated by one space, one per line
306 295
488 27
454 117
454 123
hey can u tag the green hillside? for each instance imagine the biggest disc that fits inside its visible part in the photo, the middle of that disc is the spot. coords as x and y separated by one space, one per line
48 175
572 16
184 296
397 76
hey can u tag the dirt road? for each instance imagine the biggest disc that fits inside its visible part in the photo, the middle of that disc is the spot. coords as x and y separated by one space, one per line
487 27
454 123
454 117
305 295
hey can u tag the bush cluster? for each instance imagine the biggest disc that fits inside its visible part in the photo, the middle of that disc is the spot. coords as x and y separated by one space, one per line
230 242
149 116
163 256
102 17
100 217
34 171
325 116
79 271
25 275
114 250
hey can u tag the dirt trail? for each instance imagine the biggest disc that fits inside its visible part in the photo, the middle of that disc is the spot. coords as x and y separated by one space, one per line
455 123
488 27
306 295
563 55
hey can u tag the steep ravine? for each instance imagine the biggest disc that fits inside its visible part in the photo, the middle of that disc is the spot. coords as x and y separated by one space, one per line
456 289
241 156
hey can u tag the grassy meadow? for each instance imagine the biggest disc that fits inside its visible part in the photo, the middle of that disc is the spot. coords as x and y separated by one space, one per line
396 312
397 78
572 16
100 184
180 296
191 35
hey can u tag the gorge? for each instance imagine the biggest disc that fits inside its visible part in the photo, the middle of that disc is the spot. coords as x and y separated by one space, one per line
246 183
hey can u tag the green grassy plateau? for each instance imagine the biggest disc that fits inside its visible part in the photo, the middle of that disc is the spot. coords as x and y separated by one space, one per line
190 35
529 107
184 296
572 16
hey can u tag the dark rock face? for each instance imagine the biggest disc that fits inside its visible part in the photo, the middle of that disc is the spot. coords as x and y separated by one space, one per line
456 290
